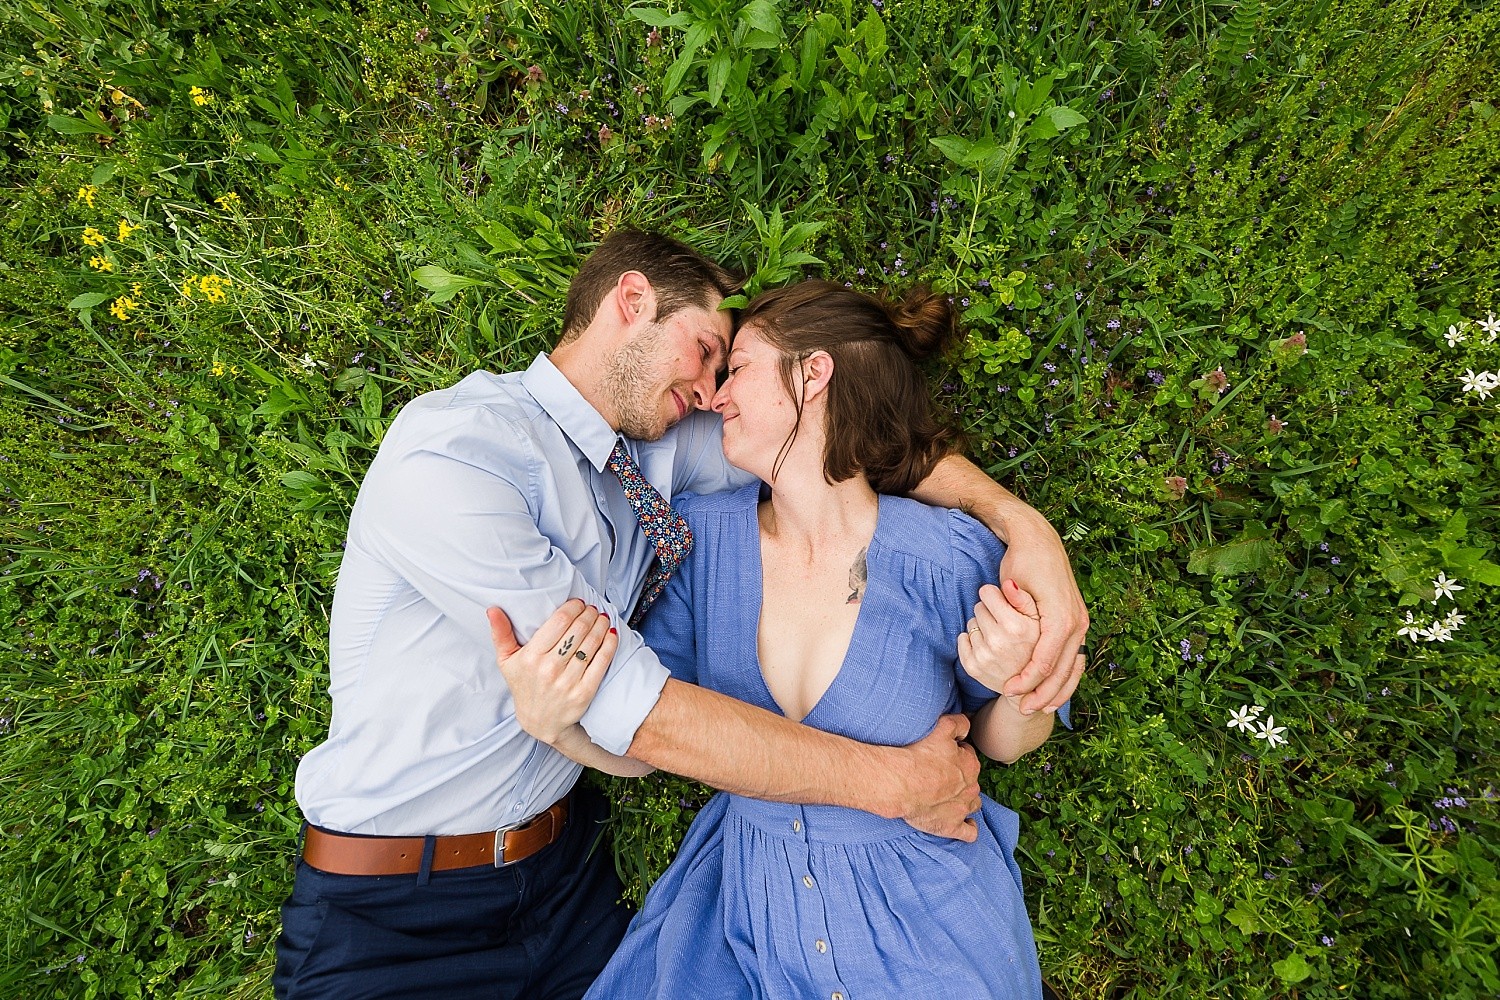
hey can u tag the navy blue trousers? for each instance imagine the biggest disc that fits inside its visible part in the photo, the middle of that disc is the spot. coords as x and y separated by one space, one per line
541 928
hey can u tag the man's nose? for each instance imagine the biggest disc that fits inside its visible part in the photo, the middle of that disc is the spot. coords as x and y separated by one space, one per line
703 390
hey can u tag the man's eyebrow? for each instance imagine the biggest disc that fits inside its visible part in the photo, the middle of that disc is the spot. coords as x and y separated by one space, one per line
721 345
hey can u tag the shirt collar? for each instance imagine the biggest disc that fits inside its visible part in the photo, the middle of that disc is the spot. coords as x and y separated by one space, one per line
584 426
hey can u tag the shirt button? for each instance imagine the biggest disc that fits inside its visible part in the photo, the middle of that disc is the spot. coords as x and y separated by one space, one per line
821 945
796 826
807 881
837 996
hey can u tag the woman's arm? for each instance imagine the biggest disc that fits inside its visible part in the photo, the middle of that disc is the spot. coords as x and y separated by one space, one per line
575 744
1036 560
995 646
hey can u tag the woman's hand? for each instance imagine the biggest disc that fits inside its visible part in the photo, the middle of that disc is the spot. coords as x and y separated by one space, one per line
1000 637
554 677
1037 563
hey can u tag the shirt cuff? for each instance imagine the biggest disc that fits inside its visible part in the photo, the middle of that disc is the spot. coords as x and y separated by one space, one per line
629 693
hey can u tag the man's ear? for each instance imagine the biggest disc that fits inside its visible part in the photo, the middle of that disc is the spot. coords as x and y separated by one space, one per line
634 300
817 371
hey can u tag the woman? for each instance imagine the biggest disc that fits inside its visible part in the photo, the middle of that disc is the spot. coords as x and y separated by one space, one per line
826 596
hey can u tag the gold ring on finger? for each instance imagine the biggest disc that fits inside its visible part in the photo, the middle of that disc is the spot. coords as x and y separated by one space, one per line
581 655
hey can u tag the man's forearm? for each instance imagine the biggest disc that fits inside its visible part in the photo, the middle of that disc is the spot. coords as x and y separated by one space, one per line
959 483
740 748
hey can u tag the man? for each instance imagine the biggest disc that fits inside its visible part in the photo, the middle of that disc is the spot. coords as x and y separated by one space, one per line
447 854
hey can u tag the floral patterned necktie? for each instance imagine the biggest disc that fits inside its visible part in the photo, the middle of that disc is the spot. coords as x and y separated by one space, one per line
663 526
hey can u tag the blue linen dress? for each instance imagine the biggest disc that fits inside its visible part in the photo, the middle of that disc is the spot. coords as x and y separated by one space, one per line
784 902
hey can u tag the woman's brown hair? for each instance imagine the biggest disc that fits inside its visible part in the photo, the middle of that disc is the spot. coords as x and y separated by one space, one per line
880 419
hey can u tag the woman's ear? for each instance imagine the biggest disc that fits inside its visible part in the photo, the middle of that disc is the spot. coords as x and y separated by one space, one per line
817 371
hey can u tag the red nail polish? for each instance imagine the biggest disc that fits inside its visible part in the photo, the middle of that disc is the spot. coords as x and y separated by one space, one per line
613 631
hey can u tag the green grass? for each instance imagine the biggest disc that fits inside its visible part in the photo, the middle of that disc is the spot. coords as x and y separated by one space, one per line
1300 194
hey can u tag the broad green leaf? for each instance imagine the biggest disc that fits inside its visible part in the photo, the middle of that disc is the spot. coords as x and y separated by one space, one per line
718 74
89 300
761 15
954 148
658 18
1064 118
300 482
1247 921
75 126
1292 969
443 284
696 36
1244 555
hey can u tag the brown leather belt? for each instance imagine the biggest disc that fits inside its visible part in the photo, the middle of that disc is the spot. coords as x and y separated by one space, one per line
346 854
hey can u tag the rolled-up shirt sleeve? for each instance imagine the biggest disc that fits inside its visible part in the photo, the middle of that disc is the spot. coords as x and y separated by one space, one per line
465 537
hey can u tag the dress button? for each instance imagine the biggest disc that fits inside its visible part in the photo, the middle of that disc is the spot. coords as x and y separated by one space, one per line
796 826
837 996
821 945
807 881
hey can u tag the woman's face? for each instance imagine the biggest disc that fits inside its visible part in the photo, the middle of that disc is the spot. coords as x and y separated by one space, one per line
758 414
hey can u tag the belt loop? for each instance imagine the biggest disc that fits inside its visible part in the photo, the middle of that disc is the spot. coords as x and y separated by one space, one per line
429 847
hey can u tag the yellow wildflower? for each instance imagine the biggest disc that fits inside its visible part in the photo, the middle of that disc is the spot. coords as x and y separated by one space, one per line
101 264
212 287
126 229
200 96
342 184
218 369
226 200
135 288
86 193
120 306
92 237
187 286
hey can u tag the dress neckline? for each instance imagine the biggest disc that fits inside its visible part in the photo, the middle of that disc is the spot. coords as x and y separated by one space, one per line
758 594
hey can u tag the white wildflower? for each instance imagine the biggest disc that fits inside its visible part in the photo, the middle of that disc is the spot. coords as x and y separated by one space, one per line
1470 381
308 362
1243 718
1271 732
1412 630
1454 619
1438 631
1454 336
1444 587
1491 326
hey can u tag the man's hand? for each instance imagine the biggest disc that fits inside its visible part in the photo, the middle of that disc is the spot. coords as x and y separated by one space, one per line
554 677
940 778
1036 561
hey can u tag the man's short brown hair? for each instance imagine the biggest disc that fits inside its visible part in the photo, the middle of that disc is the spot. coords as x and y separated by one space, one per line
679 275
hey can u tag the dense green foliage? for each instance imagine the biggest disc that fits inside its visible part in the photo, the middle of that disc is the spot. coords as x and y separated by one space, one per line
1209 256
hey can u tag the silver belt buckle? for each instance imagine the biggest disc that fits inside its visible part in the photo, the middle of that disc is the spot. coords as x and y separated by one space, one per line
500 861
500 843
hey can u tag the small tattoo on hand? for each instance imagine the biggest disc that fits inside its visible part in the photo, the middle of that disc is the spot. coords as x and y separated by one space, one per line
567 647
859 576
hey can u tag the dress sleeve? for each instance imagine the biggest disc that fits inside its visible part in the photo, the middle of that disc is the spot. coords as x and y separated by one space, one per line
451 515
976 562
669 628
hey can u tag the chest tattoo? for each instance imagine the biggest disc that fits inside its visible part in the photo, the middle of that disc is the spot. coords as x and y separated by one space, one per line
859 575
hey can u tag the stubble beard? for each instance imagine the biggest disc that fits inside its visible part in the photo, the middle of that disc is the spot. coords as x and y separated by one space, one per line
633 382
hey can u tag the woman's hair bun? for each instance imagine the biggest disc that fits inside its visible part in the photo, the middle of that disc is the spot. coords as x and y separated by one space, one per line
925 321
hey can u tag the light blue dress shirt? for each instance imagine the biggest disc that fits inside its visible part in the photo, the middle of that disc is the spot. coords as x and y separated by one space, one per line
492 492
